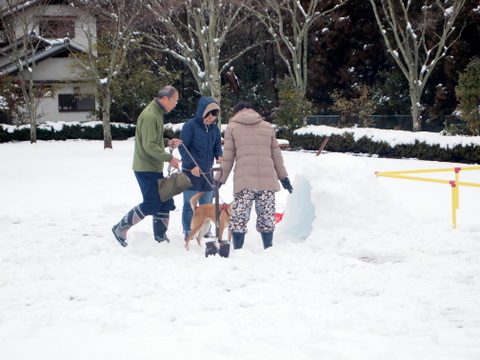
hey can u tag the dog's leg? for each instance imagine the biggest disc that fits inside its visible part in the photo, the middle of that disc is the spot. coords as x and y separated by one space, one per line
221 226
195 227
203 230
224 222
187 240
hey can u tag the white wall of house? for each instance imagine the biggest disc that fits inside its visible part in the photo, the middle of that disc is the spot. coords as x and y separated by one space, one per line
50 107
32 17
57 72
54 69
83 21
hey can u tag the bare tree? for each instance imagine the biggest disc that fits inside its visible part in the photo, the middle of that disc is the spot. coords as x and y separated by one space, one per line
108 47
289 23
417 35
19 27
194 31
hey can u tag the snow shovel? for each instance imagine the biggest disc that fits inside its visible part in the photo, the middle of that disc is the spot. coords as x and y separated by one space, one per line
223 245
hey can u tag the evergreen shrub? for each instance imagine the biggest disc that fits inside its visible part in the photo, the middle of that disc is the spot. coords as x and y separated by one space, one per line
346 142
74 131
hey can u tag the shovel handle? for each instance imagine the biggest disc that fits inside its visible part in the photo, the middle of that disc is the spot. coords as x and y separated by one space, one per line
217 201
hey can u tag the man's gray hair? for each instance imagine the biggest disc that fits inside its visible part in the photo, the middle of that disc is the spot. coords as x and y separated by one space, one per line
167 91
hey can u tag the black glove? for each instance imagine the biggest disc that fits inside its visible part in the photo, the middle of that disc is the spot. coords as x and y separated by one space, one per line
286 185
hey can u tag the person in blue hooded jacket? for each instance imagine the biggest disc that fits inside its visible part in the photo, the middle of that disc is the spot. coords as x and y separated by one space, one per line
201 137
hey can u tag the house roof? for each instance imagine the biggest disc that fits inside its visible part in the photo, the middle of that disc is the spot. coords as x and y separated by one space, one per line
54 48
39 41
24 4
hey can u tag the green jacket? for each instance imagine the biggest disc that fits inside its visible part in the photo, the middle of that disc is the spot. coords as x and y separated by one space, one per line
150 154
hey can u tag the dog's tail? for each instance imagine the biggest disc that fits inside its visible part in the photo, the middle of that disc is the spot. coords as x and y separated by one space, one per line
194 200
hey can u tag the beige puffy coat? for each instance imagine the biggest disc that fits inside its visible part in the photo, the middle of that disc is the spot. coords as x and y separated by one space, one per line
251 145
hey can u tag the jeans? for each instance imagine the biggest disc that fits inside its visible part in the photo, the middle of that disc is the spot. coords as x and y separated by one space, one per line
151 205
187 212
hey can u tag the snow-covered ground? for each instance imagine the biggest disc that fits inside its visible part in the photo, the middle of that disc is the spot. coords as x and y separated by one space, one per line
362 267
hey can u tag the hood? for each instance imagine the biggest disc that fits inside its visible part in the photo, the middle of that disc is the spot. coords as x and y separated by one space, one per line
203 104
247 117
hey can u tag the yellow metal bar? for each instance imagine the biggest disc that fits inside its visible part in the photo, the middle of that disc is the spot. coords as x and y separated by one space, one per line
429 170
414 178
457 190
464 183
416 171
467 183
454 209
470 168
455 184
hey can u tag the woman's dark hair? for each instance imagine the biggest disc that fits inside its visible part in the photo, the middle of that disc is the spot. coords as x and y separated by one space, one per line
242 105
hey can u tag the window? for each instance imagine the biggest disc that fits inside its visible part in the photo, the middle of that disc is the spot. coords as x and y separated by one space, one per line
57 29
71 102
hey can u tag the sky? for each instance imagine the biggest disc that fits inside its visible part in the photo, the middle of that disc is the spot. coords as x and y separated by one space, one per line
362 267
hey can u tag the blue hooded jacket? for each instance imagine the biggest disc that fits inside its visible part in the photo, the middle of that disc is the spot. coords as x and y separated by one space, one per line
204 144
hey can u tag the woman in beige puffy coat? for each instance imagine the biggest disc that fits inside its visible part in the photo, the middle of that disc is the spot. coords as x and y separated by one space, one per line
252 150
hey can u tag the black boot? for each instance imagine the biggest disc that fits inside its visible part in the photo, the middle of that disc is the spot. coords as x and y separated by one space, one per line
210 248
160 226
133 217
238 239
267 238
224 248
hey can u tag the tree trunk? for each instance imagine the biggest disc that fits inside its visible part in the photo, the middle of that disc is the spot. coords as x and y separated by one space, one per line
216 90
32 114
416 118
415 94
107 129
33 132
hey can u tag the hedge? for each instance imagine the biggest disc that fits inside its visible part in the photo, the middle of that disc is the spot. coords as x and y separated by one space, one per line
74 131
346 142
469 154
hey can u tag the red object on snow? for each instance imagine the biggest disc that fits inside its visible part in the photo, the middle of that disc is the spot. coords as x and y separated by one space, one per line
278 217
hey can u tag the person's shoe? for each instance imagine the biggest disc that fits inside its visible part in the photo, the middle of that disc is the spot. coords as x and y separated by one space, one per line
162 239
210 249
160 227
224 248
238 239
118 235
267 238
131 218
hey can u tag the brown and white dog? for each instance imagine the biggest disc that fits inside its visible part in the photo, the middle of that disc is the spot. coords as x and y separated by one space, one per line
203 215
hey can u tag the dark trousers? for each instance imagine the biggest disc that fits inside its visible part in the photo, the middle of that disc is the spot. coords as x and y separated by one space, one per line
151 205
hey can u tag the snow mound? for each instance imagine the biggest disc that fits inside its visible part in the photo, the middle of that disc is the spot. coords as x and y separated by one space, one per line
338 201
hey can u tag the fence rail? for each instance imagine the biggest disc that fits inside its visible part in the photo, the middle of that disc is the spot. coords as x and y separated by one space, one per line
454 184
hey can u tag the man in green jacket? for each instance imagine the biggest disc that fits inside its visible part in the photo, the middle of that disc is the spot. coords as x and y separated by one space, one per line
148 159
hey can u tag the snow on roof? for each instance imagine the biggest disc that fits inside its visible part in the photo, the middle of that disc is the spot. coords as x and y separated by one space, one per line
53 49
